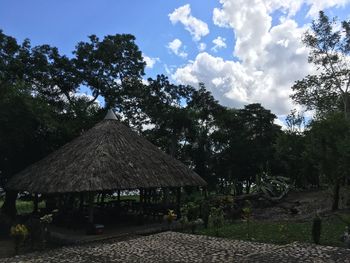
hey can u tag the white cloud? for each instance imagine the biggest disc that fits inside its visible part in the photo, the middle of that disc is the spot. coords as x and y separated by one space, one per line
150 61
195 26
202 46
269 58
218 42
175 47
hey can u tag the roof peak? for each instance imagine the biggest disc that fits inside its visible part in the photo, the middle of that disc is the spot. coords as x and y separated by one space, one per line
110 115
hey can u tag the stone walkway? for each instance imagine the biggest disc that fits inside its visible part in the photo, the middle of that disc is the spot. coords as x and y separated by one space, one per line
178 247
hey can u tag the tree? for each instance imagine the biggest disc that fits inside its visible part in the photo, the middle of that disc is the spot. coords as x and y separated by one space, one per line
243 145
203 110
164 104
290 148
328 145
260 134
328 90
111 68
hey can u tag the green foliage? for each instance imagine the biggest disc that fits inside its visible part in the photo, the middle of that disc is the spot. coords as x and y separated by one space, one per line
271 186
191 211
328 149
316 229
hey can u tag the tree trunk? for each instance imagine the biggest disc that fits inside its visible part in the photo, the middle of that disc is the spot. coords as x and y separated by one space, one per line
336 192
9 206
346 101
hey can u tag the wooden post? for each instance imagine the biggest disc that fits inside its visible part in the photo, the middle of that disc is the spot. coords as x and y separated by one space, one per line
205 192
178 202
81 201
36 203
103 196
91 207
165 195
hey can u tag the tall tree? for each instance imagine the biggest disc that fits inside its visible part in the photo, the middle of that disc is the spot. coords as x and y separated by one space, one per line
110 67
328 146
328 90
290 148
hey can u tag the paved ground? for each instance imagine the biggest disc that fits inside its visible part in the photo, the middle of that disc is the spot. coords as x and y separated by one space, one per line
178 247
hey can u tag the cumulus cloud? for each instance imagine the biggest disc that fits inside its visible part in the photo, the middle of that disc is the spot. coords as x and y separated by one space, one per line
195 26
269 58
202 46
218 42
150 61
175 47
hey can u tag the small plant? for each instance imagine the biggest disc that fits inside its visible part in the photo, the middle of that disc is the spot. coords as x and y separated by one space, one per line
19 233
190 216
316 229
192 211
205 212
183 221
170 217
247 214
46 219
216 219
346 237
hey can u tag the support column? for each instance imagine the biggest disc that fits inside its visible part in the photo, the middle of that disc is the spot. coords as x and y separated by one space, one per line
36 204
81 201
178 202
91 207
118 198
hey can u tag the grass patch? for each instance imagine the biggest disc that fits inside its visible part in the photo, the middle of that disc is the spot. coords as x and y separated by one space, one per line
282 232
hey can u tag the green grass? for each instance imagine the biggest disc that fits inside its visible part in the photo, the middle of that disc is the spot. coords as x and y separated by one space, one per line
282 232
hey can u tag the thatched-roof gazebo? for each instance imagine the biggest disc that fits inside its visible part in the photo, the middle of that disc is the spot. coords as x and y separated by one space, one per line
109 156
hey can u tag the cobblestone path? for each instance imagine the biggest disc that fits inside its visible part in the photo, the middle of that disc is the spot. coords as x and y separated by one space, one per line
178 247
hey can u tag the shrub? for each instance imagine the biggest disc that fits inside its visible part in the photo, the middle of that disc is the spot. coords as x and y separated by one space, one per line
205 212
216 219
247 214
19 233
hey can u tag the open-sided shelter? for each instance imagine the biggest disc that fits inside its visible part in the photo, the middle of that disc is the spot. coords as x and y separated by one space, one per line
109 156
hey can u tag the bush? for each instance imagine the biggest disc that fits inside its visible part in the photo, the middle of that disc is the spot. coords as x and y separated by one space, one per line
247 214
205 212
216 219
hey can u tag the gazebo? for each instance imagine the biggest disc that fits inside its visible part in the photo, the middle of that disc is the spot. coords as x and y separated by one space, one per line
108 157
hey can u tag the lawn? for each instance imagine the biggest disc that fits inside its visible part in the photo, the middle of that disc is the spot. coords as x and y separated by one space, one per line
282 232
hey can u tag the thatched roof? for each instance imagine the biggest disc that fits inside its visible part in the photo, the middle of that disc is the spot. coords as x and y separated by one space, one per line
110 156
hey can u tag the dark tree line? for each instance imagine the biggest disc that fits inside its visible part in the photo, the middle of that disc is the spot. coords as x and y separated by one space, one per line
42 109
234 150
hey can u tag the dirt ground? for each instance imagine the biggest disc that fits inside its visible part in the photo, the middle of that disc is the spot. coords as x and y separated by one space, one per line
299 206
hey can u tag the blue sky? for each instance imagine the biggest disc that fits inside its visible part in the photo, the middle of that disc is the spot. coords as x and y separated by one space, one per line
258 53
